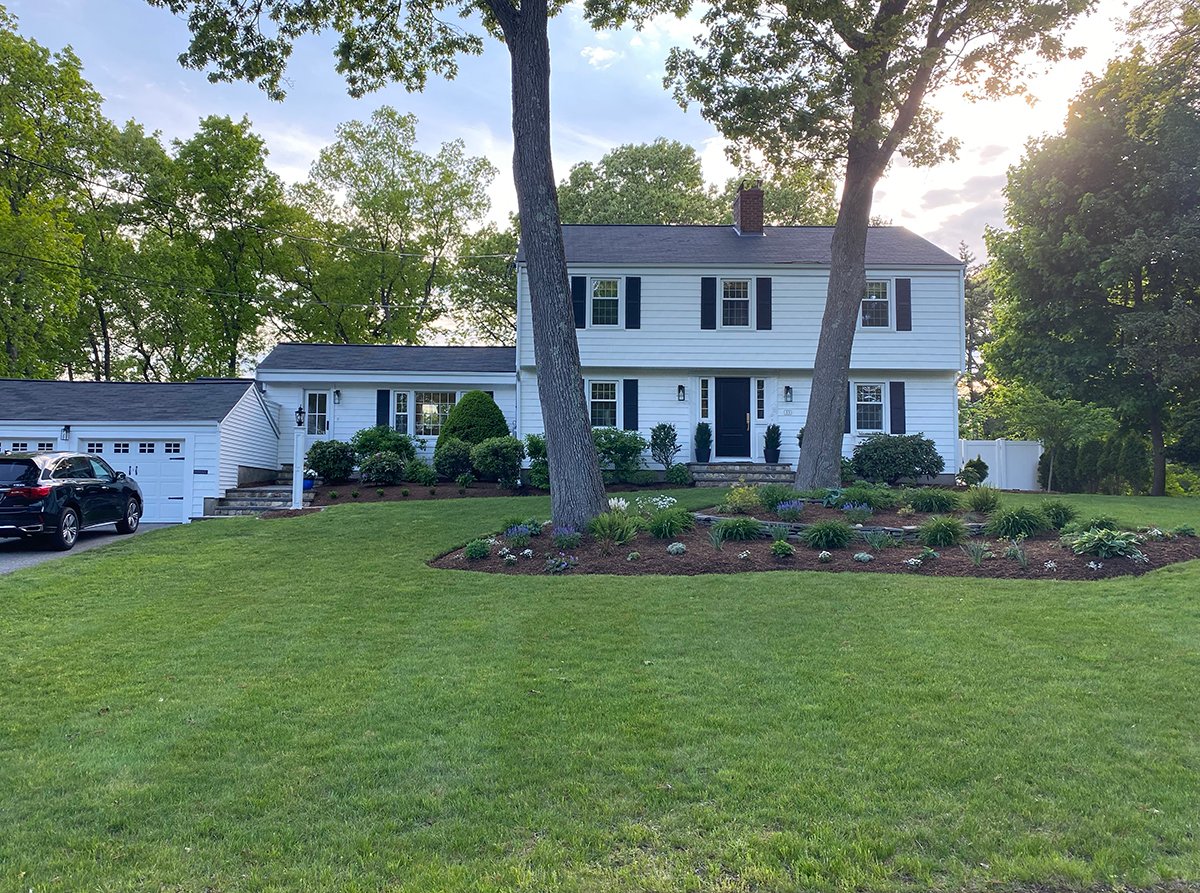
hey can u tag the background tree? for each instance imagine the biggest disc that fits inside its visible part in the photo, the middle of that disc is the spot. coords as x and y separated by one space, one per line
1099 274
403 42
793 195
485 286
840 83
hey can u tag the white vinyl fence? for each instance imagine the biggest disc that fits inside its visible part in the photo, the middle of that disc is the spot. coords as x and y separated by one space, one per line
1012 464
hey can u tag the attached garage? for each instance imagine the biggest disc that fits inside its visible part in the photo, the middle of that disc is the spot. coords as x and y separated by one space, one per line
182 442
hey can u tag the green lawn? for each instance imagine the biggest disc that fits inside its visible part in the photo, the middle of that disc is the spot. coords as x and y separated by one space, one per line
303 705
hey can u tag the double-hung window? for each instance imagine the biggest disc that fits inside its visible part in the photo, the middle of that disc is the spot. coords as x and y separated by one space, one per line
606 302
400 412
735 303
432 409
868 408
876 308
602 400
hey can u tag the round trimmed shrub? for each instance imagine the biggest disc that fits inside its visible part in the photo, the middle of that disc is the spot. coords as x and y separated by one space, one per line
499 459
932 499
1017 522
420 472
680 475
333 460
384 468
891 457
939 531
382 439
452 457
827 535
474 418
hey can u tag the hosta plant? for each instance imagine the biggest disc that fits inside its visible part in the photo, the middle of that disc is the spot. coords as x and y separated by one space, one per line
1107 544
782 549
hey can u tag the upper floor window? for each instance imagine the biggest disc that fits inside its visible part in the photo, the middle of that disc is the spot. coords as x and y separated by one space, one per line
432 409
400 412
606 302
868 408
602 400
876 310
735 303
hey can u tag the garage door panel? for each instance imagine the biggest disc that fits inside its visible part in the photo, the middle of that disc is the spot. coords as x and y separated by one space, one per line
160 469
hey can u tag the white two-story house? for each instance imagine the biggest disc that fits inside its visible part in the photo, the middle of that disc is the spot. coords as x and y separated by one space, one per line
684 324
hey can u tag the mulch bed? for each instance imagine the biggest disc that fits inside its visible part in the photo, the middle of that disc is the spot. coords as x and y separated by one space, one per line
814 512
702 558
443 490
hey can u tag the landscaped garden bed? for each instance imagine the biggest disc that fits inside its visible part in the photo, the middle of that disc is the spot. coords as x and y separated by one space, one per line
338 494
756 531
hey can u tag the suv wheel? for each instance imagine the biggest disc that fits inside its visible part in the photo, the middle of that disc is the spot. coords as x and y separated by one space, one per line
68 530
133 517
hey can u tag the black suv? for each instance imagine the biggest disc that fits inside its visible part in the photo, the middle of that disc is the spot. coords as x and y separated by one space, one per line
56 495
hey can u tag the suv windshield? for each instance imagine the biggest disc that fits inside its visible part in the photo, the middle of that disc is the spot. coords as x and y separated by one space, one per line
17 471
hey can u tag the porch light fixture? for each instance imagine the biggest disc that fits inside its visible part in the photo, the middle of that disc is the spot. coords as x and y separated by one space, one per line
299 416
787 393
337 396
65 434
681 393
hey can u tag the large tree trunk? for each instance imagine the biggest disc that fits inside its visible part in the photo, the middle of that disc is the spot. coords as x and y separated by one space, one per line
1158 454
820 459
576 488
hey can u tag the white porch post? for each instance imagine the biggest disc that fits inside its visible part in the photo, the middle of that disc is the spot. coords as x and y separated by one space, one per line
298 469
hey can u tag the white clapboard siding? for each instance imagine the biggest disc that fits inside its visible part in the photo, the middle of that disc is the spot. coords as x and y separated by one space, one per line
248 439
670 335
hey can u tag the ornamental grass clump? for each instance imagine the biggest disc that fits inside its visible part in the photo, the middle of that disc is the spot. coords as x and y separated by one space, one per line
827 535
778 532
741 529
982 499
613 529
671 522
932 500
977 551
878 540
790 510
1021 521
1058 513
942 531
771 495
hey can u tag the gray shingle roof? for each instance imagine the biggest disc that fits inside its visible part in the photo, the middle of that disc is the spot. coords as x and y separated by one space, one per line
720 245
118 401
390 358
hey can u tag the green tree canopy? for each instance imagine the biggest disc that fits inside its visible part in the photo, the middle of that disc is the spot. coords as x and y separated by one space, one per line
844 84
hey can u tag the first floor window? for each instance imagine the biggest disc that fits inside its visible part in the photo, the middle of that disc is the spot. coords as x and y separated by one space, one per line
317 413
735 303
875 313
868 415
400 412
432 409
603 403
45 446
606 302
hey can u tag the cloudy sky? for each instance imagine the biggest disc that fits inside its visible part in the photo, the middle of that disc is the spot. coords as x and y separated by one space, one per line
607 90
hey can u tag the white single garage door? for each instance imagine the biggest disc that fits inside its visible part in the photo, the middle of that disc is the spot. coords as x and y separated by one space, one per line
159 467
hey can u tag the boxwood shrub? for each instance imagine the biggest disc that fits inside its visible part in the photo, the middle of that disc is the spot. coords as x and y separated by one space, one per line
474 418
452 457
892 457
333 460
499 459
384 468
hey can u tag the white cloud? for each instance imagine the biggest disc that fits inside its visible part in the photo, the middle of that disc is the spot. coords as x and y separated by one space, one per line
599 57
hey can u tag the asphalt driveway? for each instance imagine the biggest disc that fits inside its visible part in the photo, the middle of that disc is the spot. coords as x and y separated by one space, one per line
17 553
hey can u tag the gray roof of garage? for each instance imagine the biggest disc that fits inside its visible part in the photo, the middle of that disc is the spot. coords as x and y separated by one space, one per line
390 358
708 246
206 400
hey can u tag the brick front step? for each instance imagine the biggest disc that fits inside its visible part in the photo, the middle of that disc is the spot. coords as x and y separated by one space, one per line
725 474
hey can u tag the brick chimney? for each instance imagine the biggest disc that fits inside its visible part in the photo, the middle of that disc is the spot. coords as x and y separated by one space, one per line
748 210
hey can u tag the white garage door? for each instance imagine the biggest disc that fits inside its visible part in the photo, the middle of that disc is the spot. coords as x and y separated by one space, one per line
158 466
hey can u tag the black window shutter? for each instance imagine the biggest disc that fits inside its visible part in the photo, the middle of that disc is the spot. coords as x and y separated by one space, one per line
849 406
630 420
762 294
903 305
579 300
708 302
383 408
896 394
633 302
